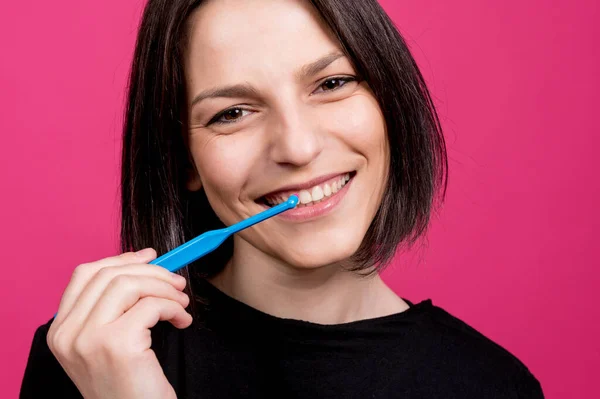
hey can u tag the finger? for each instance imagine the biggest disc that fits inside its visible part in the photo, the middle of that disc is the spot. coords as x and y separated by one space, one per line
125 291
85 272
150 310
94 289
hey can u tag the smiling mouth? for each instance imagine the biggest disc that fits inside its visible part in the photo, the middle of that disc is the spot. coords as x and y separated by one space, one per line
311 195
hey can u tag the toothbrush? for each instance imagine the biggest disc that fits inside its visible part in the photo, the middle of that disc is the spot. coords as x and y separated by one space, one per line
209 241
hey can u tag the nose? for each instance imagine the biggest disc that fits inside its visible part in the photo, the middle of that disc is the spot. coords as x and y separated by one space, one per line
295 137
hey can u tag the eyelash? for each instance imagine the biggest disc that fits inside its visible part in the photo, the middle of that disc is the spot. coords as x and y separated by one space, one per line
215 119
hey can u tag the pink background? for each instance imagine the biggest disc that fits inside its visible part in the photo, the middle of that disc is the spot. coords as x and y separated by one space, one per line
512 252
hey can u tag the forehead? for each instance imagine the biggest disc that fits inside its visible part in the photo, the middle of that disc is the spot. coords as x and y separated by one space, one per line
232 37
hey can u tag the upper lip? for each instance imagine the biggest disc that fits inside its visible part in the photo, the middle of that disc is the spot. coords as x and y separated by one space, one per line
302 186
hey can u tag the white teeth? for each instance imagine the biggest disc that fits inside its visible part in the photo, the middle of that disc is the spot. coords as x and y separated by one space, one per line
305 197
334 187
317 193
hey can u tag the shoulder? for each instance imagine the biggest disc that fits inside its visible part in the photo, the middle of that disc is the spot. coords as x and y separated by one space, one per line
465 353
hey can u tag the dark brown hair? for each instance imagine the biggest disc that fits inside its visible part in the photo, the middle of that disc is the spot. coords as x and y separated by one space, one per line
157 209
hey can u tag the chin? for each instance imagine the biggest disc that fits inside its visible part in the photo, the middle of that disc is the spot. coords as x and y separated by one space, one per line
316 256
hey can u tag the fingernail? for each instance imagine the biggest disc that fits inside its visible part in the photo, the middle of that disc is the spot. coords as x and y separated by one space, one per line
144 252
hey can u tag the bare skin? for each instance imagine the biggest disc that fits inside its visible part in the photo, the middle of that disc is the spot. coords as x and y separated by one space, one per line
101 333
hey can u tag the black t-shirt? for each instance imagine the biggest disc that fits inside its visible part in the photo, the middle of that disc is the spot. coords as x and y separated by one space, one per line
236 351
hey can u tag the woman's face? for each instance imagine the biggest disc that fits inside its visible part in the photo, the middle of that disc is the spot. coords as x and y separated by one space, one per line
276 108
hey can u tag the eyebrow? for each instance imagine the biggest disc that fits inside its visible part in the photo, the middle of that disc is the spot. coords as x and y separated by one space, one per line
239 90
315 67
246 90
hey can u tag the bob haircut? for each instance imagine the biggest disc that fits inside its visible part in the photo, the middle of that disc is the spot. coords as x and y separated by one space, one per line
157 209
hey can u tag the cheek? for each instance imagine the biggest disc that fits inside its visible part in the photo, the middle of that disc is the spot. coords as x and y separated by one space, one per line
359 123
223 163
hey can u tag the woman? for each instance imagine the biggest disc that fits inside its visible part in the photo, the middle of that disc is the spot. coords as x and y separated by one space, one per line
233 106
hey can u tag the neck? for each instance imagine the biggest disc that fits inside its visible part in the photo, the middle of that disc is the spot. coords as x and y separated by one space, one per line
324 295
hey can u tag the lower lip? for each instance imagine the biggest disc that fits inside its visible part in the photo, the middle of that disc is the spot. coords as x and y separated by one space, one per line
319 209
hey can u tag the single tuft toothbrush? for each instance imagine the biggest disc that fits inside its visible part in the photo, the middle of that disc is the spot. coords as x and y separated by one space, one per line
207 242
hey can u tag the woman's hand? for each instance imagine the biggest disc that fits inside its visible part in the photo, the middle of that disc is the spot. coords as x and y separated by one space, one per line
101 333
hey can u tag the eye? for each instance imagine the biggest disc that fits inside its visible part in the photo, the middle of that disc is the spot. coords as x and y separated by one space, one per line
334 83
230 115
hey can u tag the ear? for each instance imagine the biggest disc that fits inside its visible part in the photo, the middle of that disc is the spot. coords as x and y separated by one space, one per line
193 181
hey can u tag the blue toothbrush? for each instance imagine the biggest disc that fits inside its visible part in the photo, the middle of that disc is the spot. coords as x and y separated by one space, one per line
205 243
209 241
